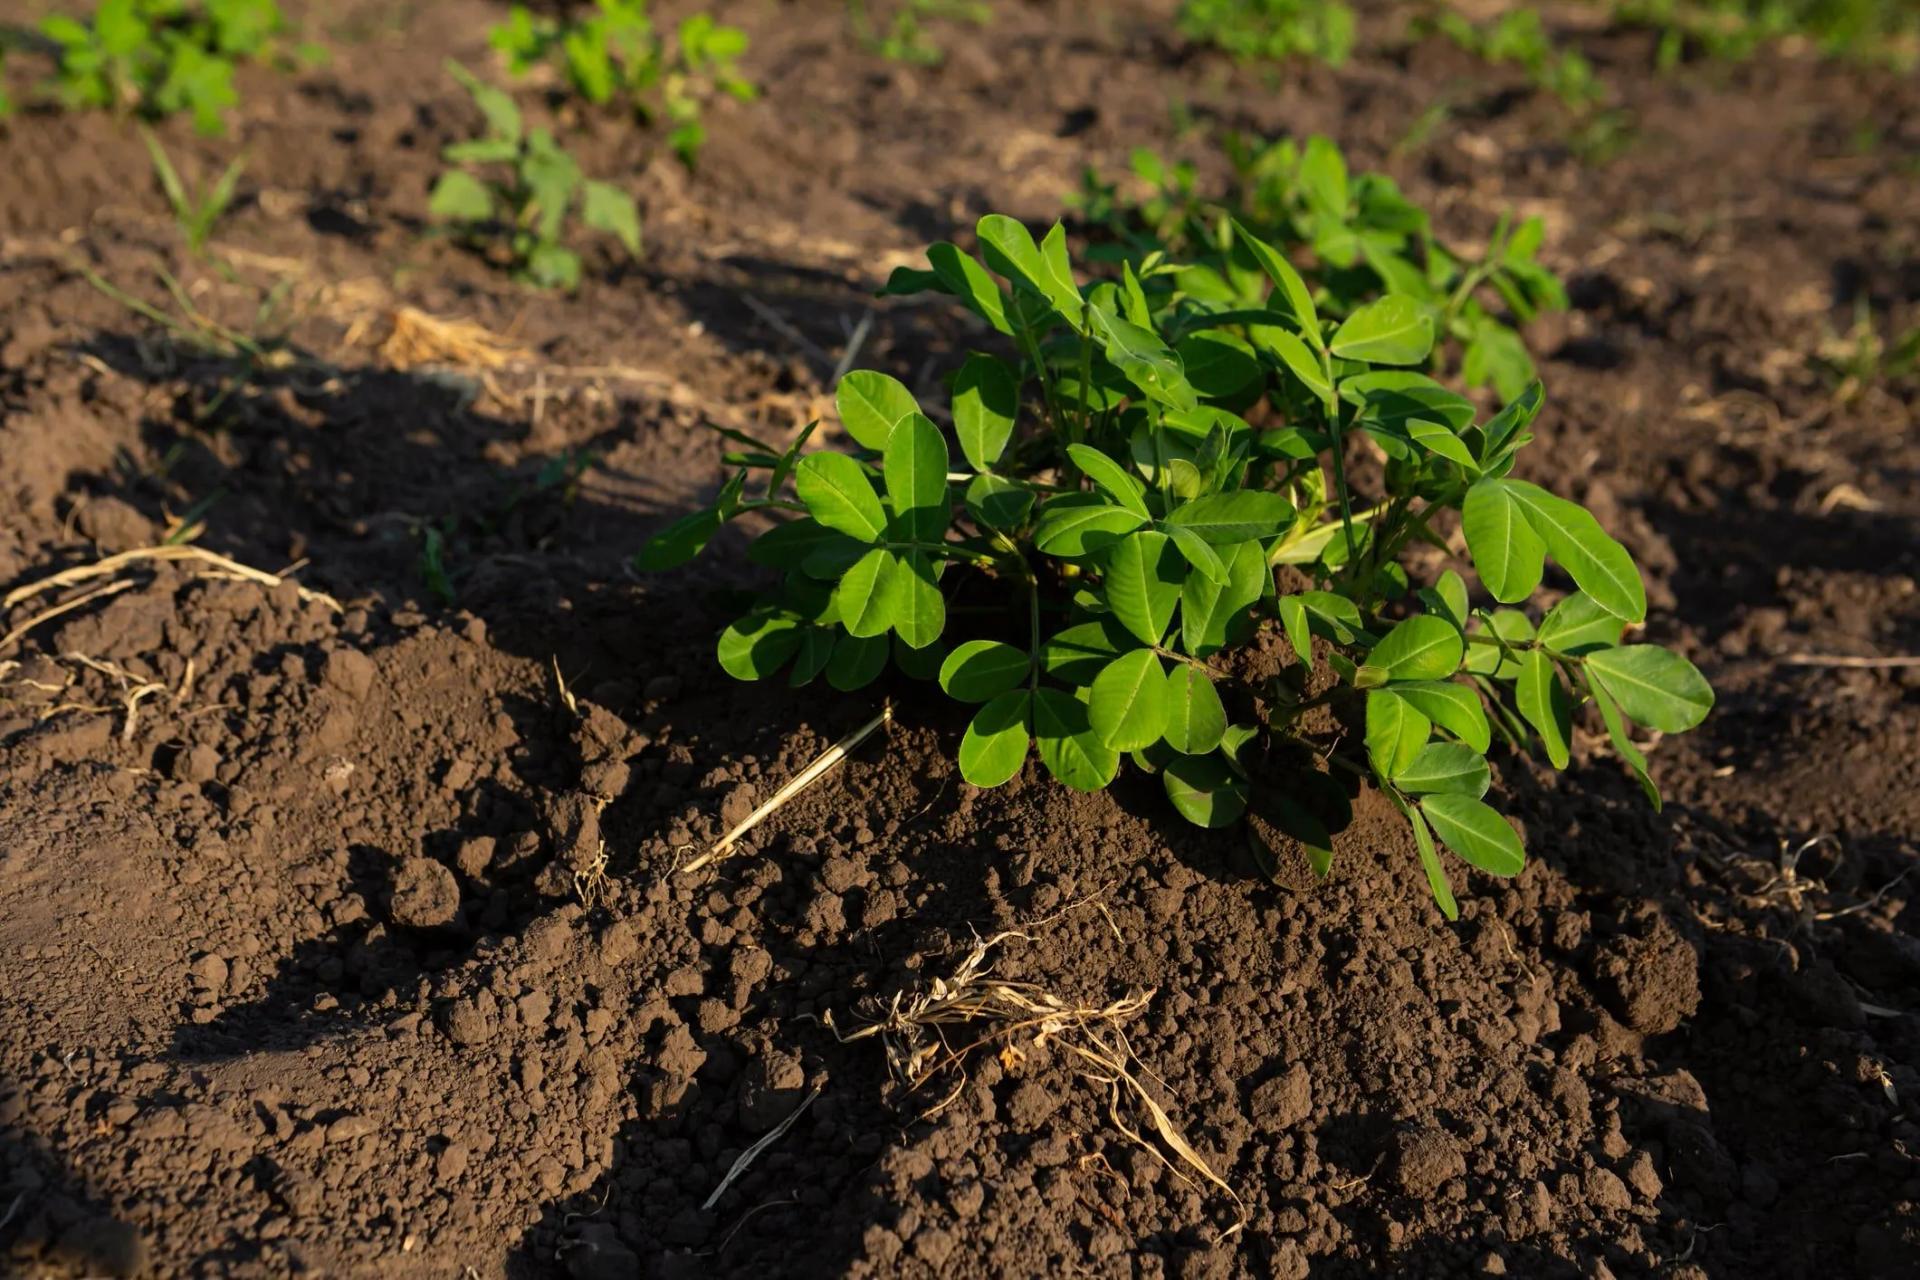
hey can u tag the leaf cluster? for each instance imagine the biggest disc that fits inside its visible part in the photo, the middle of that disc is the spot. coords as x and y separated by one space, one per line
158 57
1518 37
1143 487
616 53
1271 30
1367 240
516 190
903 34
1883 32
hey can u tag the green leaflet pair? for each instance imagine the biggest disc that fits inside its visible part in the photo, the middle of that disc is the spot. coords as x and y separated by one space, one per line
1133 473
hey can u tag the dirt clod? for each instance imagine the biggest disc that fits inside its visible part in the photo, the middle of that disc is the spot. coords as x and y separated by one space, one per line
424 894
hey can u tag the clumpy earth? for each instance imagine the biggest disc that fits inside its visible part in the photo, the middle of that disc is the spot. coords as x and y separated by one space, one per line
343 919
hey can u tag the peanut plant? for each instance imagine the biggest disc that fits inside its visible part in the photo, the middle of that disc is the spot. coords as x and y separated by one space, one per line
1367 240
513 191
158 57
618 54
1254 30
1147 489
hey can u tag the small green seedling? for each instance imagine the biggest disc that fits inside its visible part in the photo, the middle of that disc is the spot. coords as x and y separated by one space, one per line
903 35
1366 237
158 57
514 191
618 54
195 213
1271 30
1518 38
1145 490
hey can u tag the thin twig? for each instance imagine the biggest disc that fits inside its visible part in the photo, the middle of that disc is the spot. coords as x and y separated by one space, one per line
6 642
801 781
114 563
752 1153
778 323
852 352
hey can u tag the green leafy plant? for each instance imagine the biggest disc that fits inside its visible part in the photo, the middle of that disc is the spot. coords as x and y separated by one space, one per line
158 57
1144 494
1886 32
1271 29
1518 37
903 35
196 213
514 191
1367 239
617 53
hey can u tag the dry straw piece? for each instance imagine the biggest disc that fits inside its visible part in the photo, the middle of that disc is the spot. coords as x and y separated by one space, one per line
1022 1016
832 756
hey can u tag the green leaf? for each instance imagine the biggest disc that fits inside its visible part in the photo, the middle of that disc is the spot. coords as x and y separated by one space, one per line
1197 553
986 400
1477 834
1076 524
857 662
962 275
1390 330
1081 652
1300 361
816 650
1578 625
759 644
503 117
1009 249
998 504
680 541
1424 647
1512 421
1069 748
995 744
1333 616
1208 609
1600 565
1206 791
1234 517
1655 686
982 670
1446 767
1196 722
1395 732
1142 584
458 196
871 404
1147 362
1293 616
793 544
607 208
1127 702
919 610
1508 553
1622 743
1218 365
1544 704
838 494
1454 707
869 592
1056 277
1438 439
1430 863
1451 594
1112 479
1299 299
915 467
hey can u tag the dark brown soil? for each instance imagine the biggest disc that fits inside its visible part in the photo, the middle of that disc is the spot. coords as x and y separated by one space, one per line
312 962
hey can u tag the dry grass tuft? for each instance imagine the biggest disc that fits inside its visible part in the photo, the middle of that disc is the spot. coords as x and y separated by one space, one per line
1016 1019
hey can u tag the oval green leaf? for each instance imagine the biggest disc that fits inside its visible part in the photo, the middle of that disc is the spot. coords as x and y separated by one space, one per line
870 404
1476 833
1127 702
1654 686
982 670
838 494
1196 720
995 744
